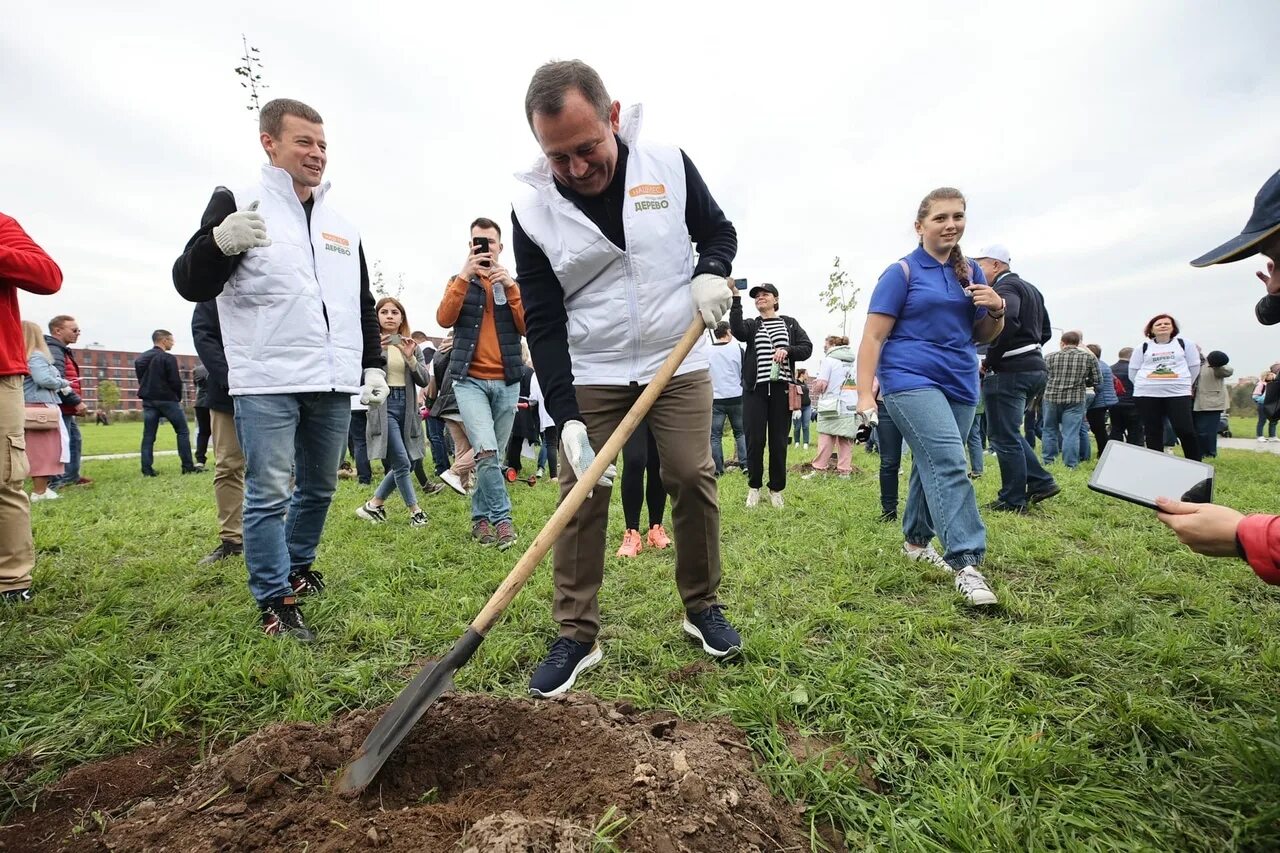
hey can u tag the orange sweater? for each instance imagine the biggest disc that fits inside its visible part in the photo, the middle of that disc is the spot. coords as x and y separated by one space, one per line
487 361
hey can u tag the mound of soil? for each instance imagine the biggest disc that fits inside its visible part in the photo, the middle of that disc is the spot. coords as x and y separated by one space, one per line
478 774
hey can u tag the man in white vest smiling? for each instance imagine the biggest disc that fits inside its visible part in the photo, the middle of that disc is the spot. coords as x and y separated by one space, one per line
299 332
604 250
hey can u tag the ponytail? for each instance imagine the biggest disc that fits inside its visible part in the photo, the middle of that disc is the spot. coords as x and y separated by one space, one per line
960 266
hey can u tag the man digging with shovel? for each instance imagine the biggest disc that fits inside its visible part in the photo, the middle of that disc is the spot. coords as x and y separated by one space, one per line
605 260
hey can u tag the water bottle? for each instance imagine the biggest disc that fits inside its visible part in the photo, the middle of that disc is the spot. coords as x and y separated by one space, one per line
499 293
775 372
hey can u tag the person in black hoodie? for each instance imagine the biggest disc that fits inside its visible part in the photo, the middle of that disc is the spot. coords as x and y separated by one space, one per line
1016 374
775 342
228 458
160 389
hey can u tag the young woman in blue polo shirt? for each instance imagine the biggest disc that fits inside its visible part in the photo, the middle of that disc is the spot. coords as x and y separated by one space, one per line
925 315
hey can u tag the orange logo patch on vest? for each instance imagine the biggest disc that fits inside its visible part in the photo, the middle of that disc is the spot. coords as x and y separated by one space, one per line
334 238
647 189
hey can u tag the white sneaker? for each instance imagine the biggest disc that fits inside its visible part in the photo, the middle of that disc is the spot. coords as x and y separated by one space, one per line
46 495
806 445
453 481
926 555
775 498
753 497
973 586
1262 439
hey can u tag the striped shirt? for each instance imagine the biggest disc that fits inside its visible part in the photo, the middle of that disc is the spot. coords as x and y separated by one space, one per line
771 335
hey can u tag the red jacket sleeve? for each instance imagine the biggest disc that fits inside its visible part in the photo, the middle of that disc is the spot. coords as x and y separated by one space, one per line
1260 537
24 264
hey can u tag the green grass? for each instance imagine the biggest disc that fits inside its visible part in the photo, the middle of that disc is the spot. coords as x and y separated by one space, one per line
1121 698
126 437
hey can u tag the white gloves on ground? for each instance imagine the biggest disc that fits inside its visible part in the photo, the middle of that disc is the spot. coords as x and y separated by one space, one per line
374 391
712 297
242 231
577 448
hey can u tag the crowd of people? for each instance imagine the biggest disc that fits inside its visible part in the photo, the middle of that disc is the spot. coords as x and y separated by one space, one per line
618 245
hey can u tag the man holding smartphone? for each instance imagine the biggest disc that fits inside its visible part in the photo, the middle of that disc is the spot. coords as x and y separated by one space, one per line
604 248
482 305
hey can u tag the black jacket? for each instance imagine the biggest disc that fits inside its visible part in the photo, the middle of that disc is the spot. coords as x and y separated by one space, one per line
745 330
1026 323
445 403
158 378
206 331
466 335
1121 371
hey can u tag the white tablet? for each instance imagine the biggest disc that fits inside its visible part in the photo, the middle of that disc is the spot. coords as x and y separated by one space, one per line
1139 475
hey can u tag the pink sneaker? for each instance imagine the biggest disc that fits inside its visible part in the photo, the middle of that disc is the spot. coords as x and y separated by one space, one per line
658 537
631 545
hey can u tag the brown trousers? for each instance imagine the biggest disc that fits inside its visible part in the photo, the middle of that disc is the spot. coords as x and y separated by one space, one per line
17 551
680 421
228 476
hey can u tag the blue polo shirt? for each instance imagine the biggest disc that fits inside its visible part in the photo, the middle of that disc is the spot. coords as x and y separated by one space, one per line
931 345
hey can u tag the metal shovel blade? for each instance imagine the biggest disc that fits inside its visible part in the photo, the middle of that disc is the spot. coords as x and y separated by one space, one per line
396 722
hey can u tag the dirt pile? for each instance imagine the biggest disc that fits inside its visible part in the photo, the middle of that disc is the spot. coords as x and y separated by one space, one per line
477 774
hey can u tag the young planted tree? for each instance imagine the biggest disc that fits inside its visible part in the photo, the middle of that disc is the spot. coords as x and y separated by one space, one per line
840 295
378 282
108 395
251 75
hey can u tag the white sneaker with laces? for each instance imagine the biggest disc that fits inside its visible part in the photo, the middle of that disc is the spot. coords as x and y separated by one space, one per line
453 481
753 497
775 498
973 586
927 554
47 495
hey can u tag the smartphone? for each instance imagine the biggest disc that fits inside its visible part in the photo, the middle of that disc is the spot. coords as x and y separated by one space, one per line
479 246
394 339
740 283
1139 475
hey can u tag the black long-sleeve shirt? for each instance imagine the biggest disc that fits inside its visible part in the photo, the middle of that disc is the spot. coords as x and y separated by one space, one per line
202 270
206 332
545 317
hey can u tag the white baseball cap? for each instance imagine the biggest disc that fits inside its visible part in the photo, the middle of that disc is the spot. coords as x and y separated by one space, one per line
995 252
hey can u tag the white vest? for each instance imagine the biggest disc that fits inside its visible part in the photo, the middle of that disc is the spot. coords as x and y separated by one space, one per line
273 308
627 309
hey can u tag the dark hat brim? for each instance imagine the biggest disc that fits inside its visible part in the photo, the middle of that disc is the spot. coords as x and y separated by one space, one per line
1244 246
757 290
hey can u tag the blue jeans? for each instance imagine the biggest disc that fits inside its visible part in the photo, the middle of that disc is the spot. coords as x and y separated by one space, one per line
1020 471
729 408
889 437
282 435
1085 440
940 494
360 445
800 424
1206 424
71 471
1062 423
439 448
488 408
974 443
1262 419
397 463
152 412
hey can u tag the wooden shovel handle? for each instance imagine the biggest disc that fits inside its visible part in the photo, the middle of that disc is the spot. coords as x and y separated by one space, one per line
573 501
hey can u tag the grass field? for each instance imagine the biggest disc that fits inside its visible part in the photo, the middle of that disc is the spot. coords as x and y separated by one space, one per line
1122 697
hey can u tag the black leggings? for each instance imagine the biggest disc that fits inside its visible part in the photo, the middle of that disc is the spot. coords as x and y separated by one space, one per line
1153 411
640 455
1097 419
766 414
203 431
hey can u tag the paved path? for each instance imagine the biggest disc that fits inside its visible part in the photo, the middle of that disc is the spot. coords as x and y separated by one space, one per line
1248 444
130 455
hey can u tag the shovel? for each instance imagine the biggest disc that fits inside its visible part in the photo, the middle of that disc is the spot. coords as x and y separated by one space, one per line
436 678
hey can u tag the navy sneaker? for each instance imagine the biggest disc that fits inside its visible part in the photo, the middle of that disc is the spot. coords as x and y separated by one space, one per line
282 616
1001 506
305 581
718 637
566 660
17 596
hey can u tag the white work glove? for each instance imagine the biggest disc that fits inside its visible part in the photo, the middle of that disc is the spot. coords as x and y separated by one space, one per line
577 448
242 231
374 391
712 297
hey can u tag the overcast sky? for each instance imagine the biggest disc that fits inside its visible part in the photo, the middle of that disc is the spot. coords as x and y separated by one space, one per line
1106 143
